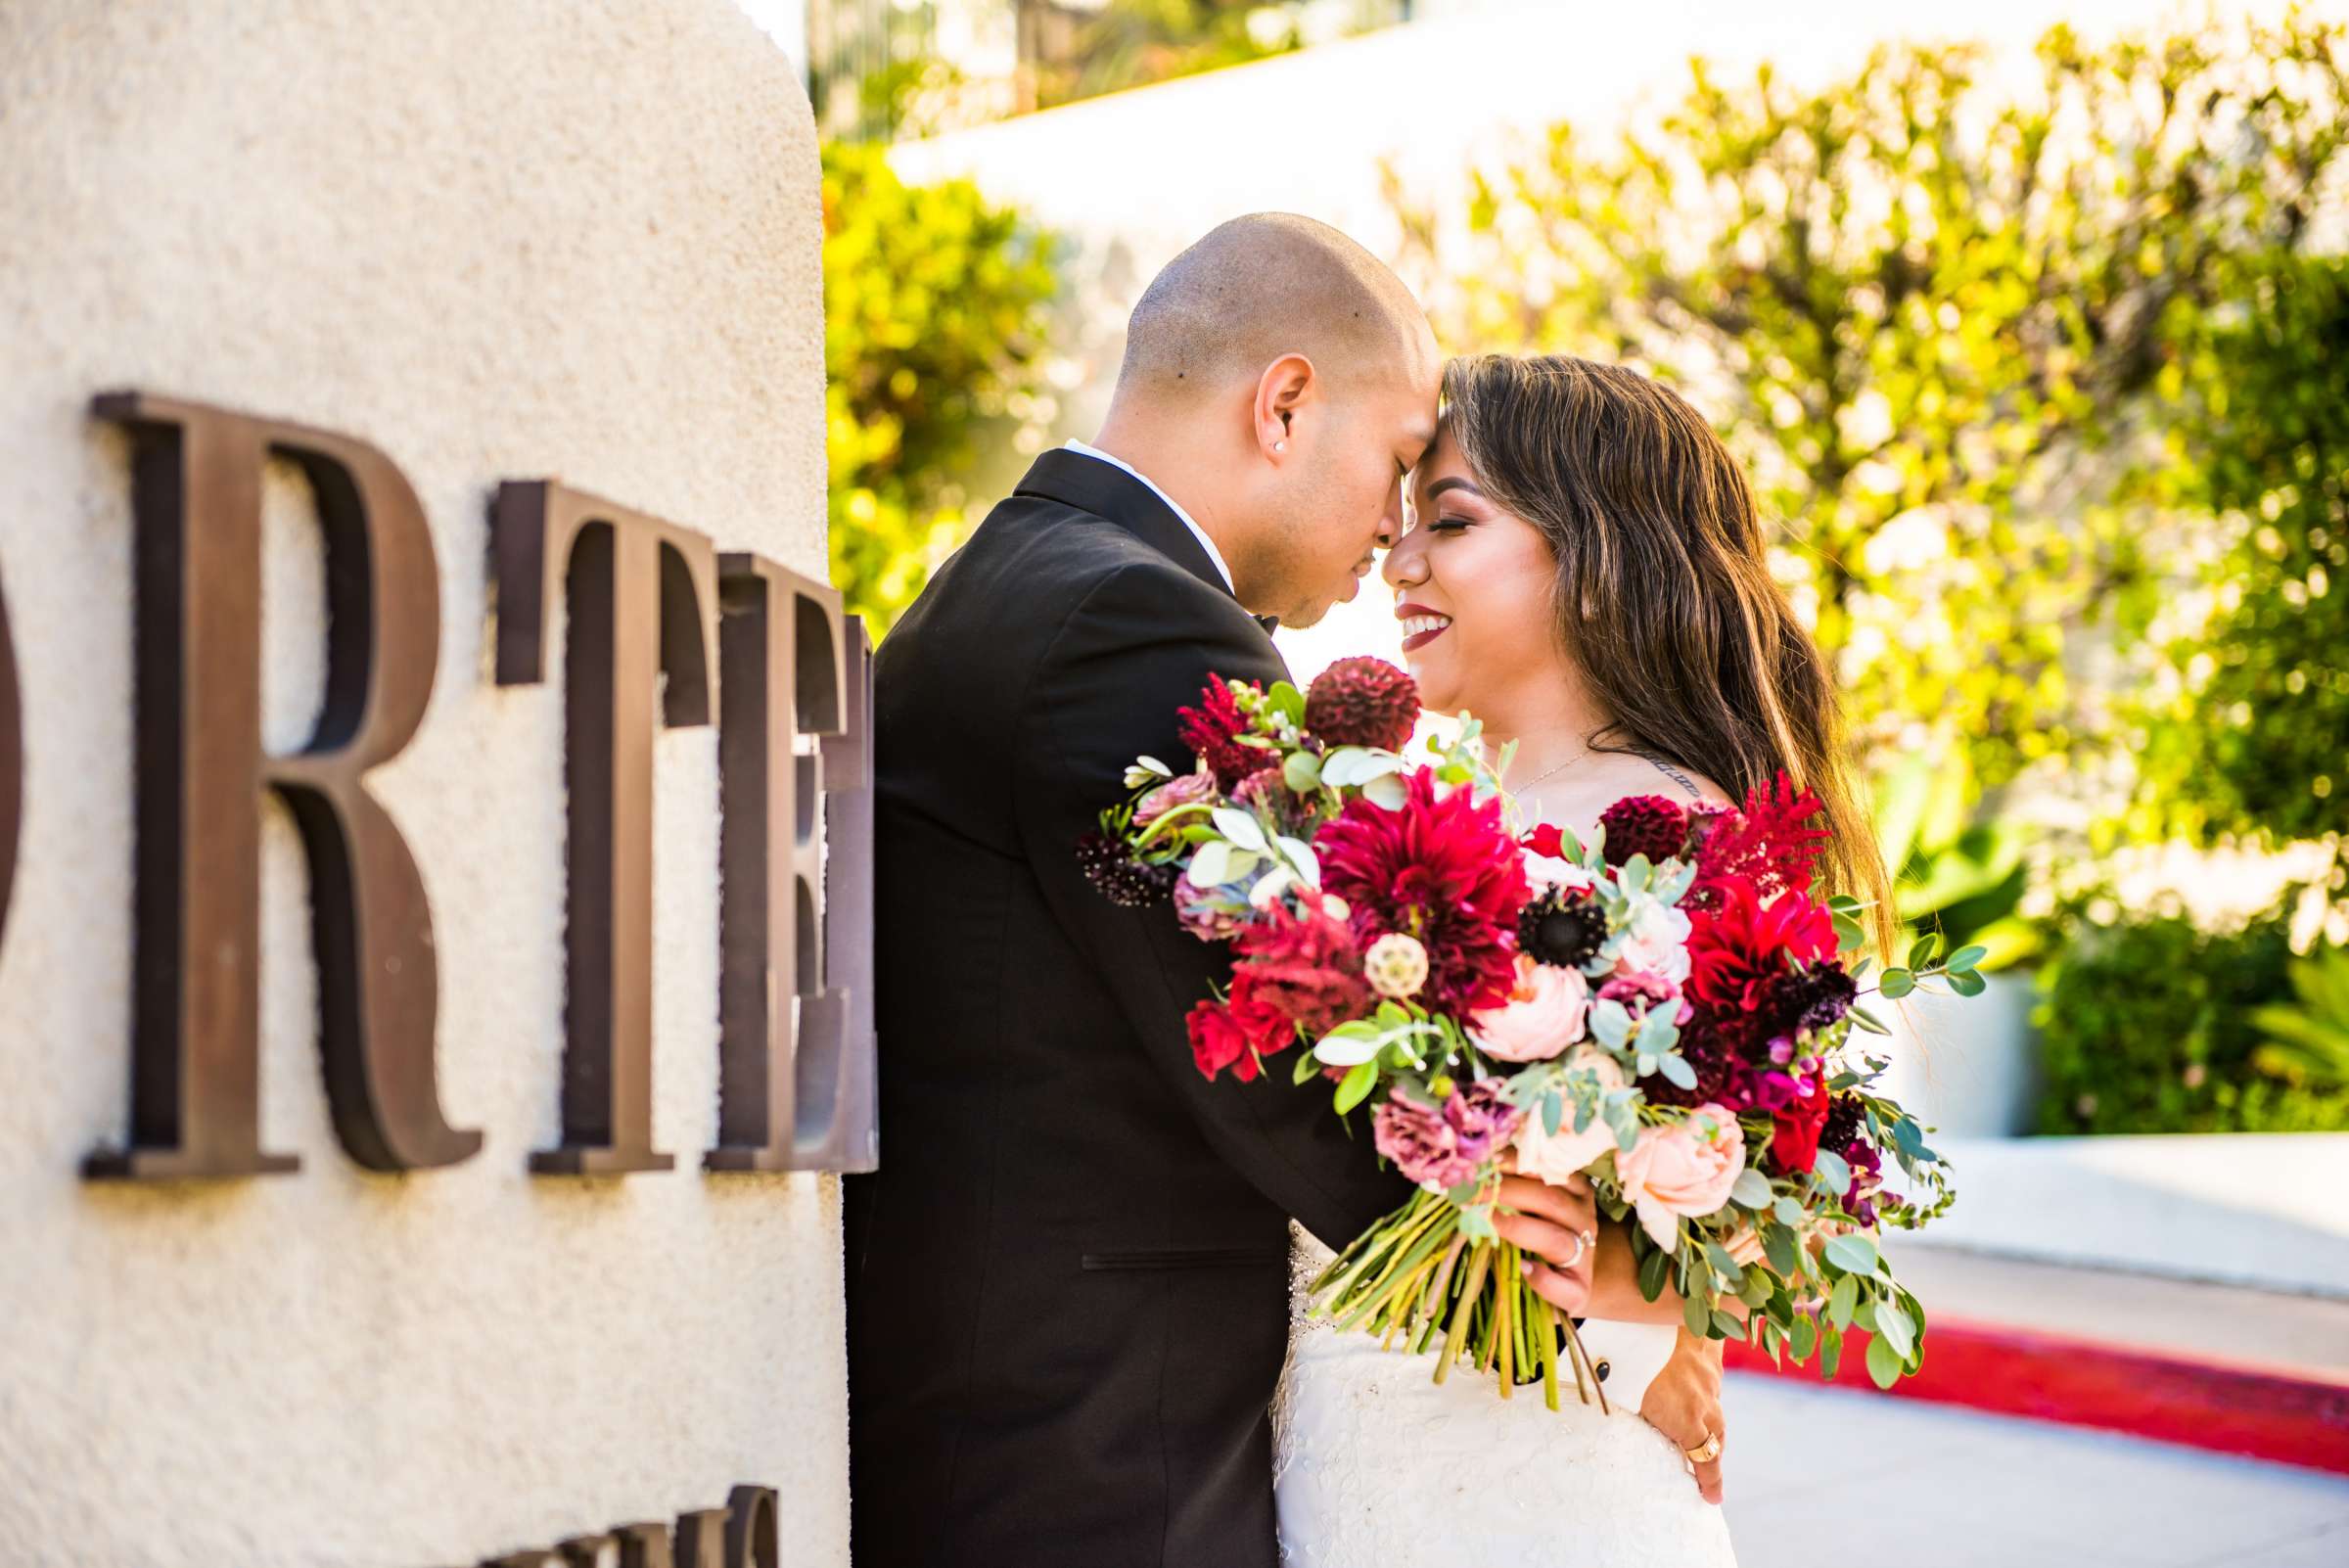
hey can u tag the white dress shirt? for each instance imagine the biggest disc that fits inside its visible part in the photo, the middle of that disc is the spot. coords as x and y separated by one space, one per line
1188 521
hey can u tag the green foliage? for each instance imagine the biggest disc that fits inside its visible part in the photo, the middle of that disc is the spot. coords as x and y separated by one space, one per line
2308 1038
1130 43
1951 875
2253 738
1946 325
933 307
2150 1025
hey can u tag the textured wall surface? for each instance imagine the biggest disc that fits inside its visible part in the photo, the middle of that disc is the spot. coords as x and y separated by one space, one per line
519 239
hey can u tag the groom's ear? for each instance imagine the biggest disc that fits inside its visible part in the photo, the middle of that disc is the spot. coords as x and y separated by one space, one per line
1288 387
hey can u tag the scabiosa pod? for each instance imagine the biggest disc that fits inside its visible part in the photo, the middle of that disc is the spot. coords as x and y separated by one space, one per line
1395 965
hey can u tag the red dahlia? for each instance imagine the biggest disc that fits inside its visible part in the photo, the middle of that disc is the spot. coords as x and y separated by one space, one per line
1652 825
1443 869
1211 730
1740 947
1362 702
1303 966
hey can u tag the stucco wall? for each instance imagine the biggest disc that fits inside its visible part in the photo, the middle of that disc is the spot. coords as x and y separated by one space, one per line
519 239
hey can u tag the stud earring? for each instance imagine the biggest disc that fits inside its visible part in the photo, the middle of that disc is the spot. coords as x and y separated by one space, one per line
1280 446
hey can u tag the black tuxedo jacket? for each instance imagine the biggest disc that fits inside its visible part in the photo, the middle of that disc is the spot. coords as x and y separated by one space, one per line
1067 1283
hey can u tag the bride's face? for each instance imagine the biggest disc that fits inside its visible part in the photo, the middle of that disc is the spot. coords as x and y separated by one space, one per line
1472 588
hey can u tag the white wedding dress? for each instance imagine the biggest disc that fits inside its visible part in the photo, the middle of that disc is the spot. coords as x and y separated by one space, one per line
1377 1466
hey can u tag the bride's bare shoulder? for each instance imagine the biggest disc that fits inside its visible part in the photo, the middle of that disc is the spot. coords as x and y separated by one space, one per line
1613 775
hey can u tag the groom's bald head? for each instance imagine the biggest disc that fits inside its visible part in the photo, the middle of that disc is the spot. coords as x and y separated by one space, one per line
1279 382
1261 287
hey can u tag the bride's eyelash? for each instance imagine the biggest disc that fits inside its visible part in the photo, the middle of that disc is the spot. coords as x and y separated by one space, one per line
1447 525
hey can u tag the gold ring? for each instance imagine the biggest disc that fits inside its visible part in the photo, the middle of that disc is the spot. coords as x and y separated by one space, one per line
1705 1453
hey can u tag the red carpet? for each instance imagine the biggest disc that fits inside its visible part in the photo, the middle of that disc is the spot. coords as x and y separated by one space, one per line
2289 1416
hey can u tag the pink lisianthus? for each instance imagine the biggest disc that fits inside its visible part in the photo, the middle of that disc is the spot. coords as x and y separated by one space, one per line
1554 1159
1188 790
1424 1146
1545 1013
1682 1170
1641 992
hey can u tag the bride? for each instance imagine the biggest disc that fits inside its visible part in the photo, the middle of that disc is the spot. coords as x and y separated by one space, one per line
1586 575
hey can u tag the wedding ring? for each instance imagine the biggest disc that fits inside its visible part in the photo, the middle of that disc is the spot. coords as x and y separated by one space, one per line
1705 1453
1582 1244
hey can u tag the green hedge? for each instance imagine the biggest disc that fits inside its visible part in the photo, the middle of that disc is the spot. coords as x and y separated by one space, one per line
2145 1027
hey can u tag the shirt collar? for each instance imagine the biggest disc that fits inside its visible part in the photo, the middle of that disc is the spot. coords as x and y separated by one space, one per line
1209 545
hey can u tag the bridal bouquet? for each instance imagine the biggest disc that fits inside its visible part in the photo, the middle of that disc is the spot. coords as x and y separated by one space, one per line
1665 1009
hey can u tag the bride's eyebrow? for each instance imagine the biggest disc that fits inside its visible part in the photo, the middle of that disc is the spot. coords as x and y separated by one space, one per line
1452 482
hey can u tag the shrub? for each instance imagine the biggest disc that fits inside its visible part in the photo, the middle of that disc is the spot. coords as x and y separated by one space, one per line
934 334
2148 1026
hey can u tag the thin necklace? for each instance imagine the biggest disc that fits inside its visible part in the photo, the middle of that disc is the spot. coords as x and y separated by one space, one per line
1551 773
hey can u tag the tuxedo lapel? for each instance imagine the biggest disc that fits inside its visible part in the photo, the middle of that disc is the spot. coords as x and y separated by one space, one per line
1108 491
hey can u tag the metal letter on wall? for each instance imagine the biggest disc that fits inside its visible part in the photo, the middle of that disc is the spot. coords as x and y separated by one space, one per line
788 1018
12 766
643 603
195 1053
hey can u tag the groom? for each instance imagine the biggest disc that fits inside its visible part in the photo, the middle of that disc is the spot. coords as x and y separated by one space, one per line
1068 1281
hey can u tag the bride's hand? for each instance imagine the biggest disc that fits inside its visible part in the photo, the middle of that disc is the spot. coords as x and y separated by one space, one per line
1683 1403
1557 1227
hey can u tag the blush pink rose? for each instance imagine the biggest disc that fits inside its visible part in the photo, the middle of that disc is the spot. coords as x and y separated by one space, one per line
1682 1170
1554 1159
1544 1014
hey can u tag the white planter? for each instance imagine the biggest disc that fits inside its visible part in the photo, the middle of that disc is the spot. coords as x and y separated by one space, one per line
1965 1066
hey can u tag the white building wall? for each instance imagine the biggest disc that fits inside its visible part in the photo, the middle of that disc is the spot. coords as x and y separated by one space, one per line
503 240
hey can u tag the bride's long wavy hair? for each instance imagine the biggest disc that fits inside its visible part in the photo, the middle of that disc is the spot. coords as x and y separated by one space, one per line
1664 597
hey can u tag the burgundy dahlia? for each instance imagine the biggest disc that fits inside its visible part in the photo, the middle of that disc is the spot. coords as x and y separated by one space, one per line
1212 731
1362 702
1441 869
1117 876
1644 824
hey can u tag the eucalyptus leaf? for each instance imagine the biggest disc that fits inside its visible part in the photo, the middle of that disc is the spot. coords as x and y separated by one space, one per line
1833 1174
1729 1324
1967 982
1677 1069
1883 1364
1896 984
1853 1251
1778 1246
1697 1316
1806 1338
1920 951
1895 1329
1751 1190
1788 1210
1302 772
1965 958
1843 1301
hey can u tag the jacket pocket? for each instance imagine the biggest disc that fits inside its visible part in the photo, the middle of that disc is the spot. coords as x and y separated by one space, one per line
1183 1258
